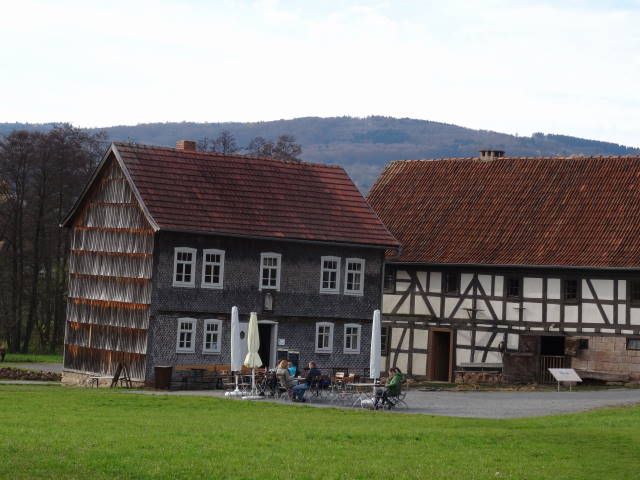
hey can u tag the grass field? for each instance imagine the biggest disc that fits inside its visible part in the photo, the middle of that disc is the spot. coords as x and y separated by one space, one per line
57 432
32 358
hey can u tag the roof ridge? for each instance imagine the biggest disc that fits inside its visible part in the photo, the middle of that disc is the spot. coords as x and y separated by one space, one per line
556 157
226 155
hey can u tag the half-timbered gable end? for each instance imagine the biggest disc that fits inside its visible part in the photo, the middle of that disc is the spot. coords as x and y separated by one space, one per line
521 263
166 241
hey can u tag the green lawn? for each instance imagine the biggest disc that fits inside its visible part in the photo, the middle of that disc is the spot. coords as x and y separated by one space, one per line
32 358
58 432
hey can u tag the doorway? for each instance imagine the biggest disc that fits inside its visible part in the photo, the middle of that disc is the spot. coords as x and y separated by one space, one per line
264 331
440 355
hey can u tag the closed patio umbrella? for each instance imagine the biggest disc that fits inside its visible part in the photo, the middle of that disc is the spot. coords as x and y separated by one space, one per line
236 349
374 358
252 360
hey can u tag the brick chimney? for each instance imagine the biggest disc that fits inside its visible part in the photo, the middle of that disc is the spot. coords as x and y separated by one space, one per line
491 154
186 145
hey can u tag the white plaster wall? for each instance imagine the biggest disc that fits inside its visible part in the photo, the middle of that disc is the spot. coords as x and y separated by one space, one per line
485 281
465 280
591 314
603 288
634 316
464 337
571 313
553 288
401 362
553 313
622 314
402 275
532 287
499 286
389 301
622 289
532 312
493 357
421 307
396 333
419 366
513 341
422 280
435 304
497 307
435 282
463 356
482 339
513 313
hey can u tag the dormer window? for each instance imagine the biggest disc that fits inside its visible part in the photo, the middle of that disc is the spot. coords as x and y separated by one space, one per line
184 266
270 271
212 268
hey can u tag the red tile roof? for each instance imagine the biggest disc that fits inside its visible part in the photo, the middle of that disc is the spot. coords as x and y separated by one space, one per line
258 197
579 211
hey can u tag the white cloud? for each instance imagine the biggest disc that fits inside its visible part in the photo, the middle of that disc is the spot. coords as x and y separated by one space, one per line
562 67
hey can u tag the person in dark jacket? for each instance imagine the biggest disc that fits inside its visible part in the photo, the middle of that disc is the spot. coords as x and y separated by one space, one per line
312 375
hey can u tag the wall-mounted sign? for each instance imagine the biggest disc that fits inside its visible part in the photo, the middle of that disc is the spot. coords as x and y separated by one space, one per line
281 342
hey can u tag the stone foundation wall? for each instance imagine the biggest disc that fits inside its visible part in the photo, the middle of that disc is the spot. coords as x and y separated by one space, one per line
608 355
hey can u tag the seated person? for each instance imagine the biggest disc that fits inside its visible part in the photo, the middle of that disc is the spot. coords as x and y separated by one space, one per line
312 375
392 387
284 376
292 369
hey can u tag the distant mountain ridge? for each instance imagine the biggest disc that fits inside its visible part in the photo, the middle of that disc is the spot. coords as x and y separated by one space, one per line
362 145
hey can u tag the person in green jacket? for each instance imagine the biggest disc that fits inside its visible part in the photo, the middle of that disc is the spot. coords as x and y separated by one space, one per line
392 387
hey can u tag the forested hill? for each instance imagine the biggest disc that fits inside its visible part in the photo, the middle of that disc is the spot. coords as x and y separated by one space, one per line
362 145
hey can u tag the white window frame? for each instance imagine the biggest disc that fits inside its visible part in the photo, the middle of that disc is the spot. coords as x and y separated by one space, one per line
358 327
329 348
193 322
337 270
212 251
277 256
193 253
207 322
360 291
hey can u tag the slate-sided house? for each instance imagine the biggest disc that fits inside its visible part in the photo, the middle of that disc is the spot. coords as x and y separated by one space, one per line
165 241
536 256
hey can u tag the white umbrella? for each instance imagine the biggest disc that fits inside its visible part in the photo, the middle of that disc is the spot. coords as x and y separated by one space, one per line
252 360
374 358
236 356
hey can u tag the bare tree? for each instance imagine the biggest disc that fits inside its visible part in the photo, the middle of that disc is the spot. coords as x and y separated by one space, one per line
224 143
284 148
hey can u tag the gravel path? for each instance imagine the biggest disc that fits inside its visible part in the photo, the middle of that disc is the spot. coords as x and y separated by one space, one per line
487 404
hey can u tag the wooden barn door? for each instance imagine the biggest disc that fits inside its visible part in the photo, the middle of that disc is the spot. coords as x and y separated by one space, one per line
440 354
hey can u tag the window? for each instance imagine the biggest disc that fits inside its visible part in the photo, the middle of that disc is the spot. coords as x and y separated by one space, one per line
570 290
385 338
184 265
633 343
354 276
352 338
270 271
212 268
212 335
451 283
634 292
389 279
329 274
186 335
513 287
324 337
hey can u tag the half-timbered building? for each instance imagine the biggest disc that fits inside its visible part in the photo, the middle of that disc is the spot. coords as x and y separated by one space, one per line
512 265
164 242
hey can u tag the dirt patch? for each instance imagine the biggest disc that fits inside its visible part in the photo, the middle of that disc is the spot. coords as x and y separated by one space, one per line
7 373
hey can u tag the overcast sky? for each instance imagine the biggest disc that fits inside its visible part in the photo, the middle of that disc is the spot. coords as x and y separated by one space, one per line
568 67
